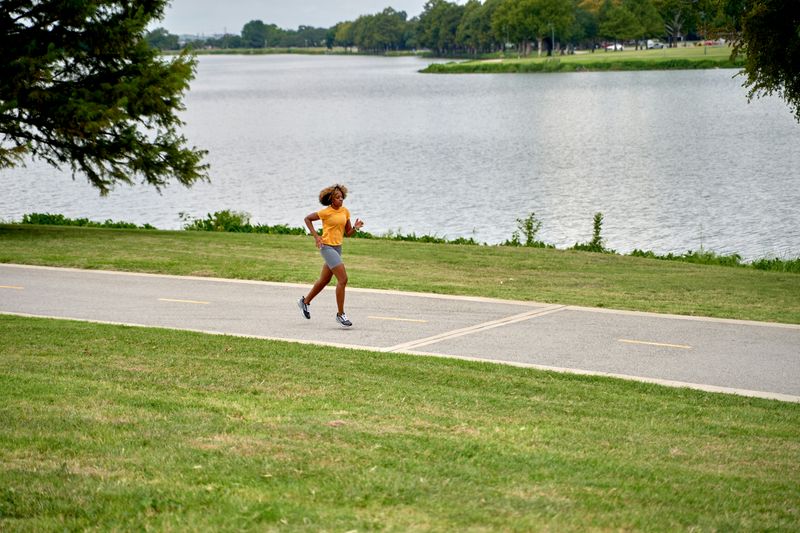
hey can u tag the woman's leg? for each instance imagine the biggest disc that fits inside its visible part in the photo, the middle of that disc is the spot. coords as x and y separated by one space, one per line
341 282
324 278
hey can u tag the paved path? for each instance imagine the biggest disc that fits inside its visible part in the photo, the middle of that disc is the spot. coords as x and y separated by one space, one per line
751 358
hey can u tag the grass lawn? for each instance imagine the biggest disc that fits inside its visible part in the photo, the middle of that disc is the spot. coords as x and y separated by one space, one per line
543 275
688 52
116 428
629 59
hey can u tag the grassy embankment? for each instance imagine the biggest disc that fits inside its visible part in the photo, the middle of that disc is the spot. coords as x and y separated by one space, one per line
544 275
115 428
663 59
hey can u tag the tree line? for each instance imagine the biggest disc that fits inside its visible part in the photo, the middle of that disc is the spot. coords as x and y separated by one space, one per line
481 27
254 34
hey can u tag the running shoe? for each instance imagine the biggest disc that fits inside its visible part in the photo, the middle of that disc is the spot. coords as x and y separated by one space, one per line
301 303
343 320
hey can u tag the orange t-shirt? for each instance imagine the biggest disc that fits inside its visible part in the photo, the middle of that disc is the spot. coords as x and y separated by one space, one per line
333 224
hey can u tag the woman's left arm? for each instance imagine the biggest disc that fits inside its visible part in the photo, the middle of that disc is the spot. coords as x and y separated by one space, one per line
350 229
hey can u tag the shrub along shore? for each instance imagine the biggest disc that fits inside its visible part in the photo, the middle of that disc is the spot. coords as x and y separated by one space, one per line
525 236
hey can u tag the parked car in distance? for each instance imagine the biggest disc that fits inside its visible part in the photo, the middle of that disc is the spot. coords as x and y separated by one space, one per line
614 46
655 43
717 42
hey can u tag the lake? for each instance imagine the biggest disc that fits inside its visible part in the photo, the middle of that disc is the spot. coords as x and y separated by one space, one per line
674 160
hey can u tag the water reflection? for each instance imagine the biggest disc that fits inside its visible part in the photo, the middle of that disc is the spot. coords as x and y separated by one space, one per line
675 160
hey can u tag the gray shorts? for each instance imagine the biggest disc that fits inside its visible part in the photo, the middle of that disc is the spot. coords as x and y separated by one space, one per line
332 255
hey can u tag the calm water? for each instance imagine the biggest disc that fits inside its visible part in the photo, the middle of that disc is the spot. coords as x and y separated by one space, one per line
674 160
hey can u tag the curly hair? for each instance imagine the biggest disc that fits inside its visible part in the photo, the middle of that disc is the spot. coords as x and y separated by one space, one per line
326 193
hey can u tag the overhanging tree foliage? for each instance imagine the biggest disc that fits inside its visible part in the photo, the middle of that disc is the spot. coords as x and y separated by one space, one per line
769 39
82 88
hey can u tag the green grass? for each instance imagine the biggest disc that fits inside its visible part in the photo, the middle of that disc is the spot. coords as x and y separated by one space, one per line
663 59
532 274
116 428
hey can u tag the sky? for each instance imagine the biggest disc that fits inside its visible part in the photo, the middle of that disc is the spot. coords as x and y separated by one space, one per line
207 17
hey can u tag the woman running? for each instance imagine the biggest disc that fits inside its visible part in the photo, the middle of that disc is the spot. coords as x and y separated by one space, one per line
335 225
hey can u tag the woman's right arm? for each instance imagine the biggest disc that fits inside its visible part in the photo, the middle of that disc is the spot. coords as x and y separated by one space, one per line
309 220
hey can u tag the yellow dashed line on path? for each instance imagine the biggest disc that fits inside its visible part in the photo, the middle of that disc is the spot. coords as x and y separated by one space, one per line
183 301
397 319
663 345
11 287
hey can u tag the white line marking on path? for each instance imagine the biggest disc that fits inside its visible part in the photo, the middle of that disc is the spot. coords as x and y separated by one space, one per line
14 287
194 330
647 343
474 329
691 318
183 301
397 319
656 381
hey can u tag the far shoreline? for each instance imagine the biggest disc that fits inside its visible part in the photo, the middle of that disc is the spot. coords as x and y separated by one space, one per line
686 58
